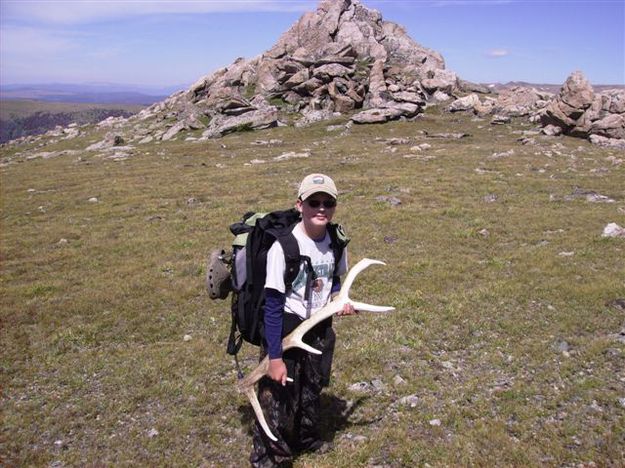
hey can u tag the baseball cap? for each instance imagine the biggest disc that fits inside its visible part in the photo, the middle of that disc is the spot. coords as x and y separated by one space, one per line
314 183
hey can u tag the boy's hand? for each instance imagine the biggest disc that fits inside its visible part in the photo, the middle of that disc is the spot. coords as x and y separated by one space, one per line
348 309
277 370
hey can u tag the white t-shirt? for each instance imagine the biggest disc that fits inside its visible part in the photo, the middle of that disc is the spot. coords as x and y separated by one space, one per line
322 260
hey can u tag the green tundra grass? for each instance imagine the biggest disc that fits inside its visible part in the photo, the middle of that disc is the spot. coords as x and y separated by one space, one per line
507 334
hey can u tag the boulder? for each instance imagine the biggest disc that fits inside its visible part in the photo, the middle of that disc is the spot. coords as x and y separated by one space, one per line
500 119
579 112
312 31
552 130
266 82
438 97
406 109
297 79
343 104
466 103
110 140
616 143
308 87
576 95
363 29
611 126
254 120
442 80
193 122
338 90
378 115
517 101
310 116
469 87
391 111
173 131
377 84
614 101
484 108
613 230
327 72
330 59
405 96
554 115
577 91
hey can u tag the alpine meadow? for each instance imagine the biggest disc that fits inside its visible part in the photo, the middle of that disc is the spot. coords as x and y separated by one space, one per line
504 348
500 224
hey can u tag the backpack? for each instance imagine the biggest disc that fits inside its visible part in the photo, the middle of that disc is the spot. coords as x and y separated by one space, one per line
254 236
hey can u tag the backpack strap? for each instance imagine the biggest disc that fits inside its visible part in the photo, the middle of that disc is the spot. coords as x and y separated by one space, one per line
292 258
338 242
234 342
292 261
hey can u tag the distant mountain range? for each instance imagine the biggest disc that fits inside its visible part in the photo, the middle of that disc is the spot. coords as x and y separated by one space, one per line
31 109
97 93
552 88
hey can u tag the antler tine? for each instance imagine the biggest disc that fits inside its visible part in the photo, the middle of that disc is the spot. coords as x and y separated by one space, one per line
355 271
295 339
370 307
251 395
246 386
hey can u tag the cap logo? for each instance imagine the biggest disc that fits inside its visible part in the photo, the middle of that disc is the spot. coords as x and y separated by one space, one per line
318 180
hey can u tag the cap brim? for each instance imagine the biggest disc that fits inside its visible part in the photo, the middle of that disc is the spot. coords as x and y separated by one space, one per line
308 193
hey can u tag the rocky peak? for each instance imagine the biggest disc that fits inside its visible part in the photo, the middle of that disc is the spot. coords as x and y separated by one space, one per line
348 28
342 57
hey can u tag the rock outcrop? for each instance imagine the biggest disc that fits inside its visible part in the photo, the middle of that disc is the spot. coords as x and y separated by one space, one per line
521 101
515 101
579 111
341 58
576 111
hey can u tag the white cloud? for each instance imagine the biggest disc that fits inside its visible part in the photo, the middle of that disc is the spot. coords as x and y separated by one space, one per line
86 11
496 53
26 53
34 42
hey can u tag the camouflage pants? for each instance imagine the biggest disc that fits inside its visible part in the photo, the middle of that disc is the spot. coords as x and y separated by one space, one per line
292 411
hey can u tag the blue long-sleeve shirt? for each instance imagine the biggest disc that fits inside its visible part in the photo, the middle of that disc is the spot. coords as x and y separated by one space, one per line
274 309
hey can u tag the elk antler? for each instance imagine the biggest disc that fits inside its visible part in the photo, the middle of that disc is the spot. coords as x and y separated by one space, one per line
295 338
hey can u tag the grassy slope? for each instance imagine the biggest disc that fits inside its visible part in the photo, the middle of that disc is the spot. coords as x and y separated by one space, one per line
93 356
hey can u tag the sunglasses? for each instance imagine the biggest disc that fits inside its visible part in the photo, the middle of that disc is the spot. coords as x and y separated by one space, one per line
317 203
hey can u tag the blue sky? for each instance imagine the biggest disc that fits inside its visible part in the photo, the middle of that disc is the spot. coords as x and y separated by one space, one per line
164 43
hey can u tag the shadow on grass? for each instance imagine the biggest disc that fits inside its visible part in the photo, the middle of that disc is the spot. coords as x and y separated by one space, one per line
335 415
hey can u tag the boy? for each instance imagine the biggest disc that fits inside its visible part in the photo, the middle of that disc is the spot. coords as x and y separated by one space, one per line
292 409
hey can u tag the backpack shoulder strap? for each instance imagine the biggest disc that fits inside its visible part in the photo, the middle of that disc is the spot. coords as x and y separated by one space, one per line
292 258
338 242
268 228
281 230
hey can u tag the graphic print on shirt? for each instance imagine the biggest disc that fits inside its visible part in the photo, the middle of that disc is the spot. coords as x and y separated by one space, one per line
323 272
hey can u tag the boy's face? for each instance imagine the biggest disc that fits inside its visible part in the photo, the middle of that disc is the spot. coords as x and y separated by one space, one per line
318 209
